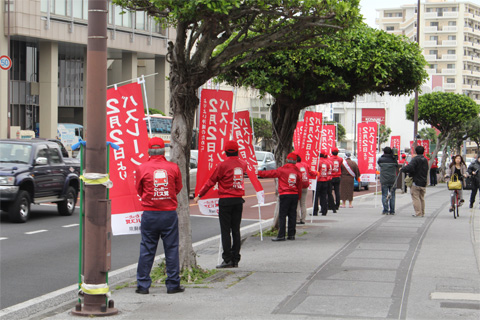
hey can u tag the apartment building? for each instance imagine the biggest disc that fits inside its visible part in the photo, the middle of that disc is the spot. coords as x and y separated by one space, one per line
48 49
450 38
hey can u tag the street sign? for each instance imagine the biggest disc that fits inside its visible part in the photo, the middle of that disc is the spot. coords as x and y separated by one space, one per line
5 62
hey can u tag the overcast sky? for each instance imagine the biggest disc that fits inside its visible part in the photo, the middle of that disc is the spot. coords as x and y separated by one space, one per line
368 7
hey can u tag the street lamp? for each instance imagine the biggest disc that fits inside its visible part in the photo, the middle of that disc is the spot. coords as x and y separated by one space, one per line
415 113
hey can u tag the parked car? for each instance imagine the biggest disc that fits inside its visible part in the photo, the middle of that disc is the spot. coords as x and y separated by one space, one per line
265 160
193 172
356 186
34 171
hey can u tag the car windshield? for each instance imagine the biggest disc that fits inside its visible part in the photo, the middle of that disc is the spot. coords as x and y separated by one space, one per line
15 153
260 156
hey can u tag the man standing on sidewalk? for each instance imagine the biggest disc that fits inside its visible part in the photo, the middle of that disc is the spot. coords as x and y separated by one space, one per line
336 173
388 166
290 190
306 174
229 176
158 182
418 169
323 181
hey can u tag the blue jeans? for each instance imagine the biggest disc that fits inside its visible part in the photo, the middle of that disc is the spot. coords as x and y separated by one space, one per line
156 224
388 205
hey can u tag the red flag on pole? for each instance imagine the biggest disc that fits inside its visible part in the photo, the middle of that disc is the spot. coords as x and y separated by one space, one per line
327 140
395 143
366 153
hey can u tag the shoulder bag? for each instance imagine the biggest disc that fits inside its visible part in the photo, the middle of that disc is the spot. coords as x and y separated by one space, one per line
454 183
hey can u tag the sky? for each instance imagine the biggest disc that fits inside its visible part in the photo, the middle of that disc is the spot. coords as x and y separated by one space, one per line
367 8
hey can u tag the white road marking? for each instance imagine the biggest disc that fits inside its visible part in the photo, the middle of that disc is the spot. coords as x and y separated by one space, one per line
263 205
37 231
70 225
3 238
455 296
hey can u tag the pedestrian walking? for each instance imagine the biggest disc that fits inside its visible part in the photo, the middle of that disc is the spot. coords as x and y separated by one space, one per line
323 183
229 176
434 172
418 170
474 172
290 191
336 176
307 174
158 182
388 166
458 168
403 162
350 172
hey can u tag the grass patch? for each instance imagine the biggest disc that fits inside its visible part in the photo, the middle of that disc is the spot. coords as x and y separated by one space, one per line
268 233
302 234
194 275
124 285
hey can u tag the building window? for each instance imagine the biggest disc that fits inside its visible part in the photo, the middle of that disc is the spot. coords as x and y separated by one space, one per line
452 23
451 51
450 80
433 66
433 24
433 52
452 37
451 66
390 28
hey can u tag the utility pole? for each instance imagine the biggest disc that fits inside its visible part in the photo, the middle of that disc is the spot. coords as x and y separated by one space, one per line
415 110
97 228
355 130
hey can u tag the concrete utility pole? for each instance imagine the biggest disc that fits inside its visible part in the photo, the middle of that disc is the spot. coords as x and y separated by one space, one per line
97 227
415 109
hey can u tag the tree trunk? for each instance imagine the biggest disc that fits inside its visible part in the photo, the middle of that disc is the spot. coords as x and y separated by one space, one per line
284 121
183 104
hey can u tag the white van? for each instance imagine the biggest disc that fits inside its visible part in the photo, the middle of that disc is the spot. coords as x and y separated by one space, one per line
69 134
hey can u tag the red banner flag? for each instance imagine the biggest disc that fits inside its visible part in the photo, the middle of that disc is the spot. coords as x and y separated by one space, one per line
327 140
424 143
126 127
366 150
310 144
216 117
242 133
297 136
395 143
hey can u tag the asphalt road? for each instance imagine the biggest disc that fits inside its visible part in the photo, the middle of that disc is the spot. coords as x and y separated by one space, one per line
41 256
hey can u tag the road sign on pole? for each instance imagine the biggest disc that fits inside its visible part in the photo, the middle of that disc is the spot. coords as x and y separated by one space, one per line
5 62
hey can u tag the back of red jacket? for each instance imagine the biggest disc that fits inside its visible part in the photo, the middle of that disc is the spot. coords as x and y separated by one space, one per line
336 166
289 179
306 173
324 169
229 176
158 182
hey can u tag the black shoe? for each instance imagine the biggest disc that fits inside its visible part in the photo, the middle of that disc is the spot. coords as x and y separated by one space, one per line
278 239
315 214
141 291
471 205
291 238
392 213
302 222
334 211
235 264
460 203
324 214
450 210
225 264
176 290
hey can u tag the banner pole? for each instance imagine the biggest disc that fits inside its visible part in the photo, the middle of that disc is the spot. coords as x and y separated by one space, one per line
318 164
142 82
219 250
260 221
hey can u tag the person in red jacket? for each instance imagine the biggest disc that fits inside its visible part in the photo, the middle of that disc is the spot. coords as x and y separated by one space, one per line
307 174
336 173
158 182
323 178
229 176
290 190
433 172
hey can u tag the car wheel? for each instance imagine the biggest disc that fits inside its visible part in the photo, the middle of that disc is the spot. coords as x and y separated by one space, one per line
366 187
67 206
19 210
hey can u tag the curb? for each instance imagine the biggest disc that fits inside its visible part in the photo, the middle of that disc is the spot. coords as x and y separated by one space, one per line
68 294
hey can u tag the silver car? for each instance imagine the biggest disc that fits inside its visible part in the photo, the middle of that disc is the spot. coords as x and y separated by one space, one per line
266 160
193 172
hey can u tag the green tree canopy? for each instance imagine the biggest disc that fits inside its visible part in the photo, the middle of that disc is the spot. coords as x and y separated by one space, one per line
262 129
383 134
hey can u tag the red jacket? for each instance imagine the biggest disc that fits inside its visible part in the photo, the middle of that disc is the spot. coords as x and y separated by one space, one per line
158 182
307 173
289 179
435 164
229 175
336 166
324 170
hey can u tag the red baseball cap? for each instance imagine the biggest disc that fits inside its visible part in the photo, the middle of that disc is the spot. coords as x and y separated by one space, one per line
156 143
292 156
324 152
231 146
335 149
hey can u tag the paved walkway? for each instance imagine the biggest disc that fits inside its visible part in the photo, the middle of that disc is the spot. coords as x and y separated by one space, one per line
355 264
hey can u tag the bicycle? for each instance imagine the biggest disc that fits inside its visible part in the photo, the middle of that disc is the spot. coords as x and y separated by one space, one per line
455 203
455 186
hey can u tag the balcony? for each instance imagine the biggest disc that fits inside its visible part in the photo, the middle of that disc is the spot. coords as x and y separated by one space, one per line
449 29
449 86
450 43
449 57
431 71
449 71
430 43
430 15
430 57
450 14
430 29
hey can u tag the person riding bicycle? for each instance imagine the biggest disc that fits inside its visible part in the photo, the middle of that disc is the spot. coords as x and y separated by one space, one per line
457 167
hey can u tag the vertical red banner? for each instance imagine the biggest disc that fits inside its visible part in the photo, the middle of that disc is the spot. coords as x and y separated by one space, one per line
366 150
126 127
216 117
310 144
242 133
327 140
297 136
395 143
424 143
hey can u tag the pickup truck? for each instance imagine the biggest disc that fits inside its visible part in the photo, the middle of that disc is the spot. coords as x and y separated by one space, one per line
35 171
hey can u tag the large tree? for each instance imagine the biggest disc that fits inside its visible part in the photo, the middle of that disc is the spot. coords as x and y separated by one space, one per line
215 36
383 134
445 111
353 62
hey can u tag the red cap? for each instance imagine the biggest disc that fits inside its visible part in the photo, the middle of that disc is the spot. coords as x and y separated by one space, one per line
292 156
156 143
324 152
335 149
231 146
404 155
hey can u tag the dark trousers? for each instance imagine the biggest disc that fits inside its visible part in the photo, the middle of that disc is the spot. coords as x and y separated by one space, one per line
336 191
321 194
156 225
288 208
230 217
475 188
433 176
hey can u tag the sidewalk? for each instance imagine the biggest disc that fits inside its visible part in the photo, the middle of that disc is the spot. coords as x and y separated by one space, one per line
356 263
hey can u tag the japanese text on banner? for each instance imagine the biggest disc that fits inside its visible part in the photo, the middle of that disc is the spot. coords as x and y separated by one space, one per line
366 151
